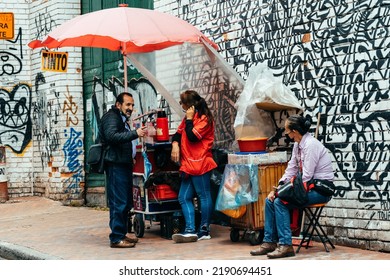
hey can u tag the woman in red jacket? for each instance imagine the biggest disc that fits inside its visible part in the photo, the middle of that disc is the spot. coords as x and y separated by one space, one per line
191 146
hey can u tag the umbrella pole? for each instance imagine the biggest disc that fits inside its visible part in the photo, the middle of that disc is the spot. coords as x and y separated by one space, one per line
125 70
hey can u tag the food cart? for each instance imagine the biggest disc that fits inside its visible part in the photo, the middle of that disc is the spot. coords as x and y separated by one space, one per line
155 196
156 178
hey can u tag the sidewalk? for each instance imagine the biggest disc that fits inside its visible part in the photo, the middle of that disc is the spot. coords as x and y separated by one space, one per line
40 228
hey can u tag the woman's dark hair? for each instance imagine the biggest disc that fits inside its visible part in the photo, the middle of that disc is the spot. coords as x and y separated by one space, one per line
192 98
299 123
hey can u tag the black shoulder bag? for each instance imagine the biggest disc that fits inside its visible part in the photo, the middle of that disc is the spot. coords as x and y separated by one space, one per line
293 192
95 158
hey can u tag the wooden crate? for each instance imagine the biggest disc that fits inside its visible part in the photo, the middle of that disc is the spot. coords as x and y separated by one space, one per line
269 176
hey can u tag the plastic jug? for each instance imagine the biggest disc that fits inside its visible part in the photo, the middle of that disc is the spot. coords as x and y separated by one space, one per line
162 131
151 132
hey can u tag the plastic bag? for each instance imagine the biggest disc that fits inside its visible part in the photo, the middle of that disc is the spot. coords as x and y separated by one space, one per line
235 213
261 86
239 186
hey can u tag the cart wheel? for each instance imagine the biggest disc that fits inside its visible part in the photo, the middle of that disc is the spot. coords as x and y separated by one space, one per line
256 237
234 235
139 225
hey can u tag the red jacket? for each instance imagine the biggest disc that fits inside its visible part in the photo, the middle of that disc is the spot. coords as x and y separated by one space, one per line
196 157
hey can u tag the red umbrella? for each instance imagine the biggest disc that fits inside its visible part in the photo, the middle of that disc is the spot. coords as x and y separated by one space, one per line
129 30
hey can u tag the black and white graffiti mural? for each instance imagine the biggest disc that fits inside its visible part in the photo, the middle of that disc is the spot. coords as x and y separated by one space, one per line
15 121
45 116
15 101
11 58
43 24
200 72
334 55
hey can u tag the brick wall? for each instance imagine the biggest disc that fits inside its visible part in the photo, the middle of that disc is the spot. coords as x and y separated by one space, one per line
334 56
14 86
42 125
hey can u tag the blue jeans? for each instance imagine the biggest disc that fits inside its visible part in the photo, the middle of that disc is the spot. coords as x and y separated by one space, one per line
277 218
200 185
120 198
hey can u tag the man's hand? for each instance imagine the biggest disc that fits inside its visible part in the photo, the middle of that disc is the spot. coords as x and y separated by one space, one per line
141 131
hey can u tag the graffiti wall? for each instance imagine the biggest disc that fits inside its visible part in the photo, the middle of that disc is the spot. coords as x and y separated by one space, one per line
334 56
41 122
15 107
56 115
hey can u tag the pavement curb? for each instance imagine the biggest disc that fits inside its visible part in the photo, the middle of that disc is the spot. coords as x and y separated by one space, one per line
16 252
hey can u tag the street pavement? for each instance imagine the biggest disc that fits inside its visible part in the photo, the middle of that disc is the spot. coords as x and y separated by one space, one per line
37 228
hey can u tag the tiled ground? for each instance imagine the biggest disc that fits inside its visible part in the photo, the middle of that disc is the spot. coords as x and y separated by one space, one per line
82 234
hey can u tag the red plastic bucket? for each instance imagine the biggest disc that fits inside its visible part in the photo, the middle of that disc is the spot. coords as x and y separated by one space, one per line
252 144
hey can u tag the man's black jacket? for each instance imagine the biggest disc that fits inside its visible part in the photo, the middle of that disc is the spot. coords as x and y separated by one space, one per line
112 132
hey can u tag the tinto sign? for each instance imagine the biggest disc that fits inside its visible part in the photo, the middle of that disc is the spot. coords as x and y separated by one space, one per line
54 61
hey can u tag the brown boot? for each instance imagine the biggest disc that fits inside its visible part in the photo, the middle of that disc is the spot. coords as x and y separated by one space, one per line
281 252
265 248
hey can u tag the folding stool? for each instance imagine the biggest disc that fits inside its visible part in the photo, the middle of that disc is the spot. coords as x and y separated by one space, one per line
313 213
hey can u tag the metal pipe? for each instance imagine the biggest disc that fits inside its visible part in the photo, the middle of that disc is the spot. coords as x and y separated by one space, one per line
149 113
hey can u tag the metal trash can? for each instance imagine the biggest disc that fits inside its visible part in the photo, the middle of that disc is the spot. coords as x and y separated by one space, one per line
3 176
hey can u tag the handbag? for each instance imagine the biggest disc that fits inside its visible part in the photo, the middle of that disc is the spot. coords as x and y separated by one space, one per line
96 158
293 192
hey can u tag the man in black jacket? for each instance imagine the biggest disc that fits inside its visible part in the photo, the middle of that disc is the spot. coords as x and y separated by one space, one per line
115 132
